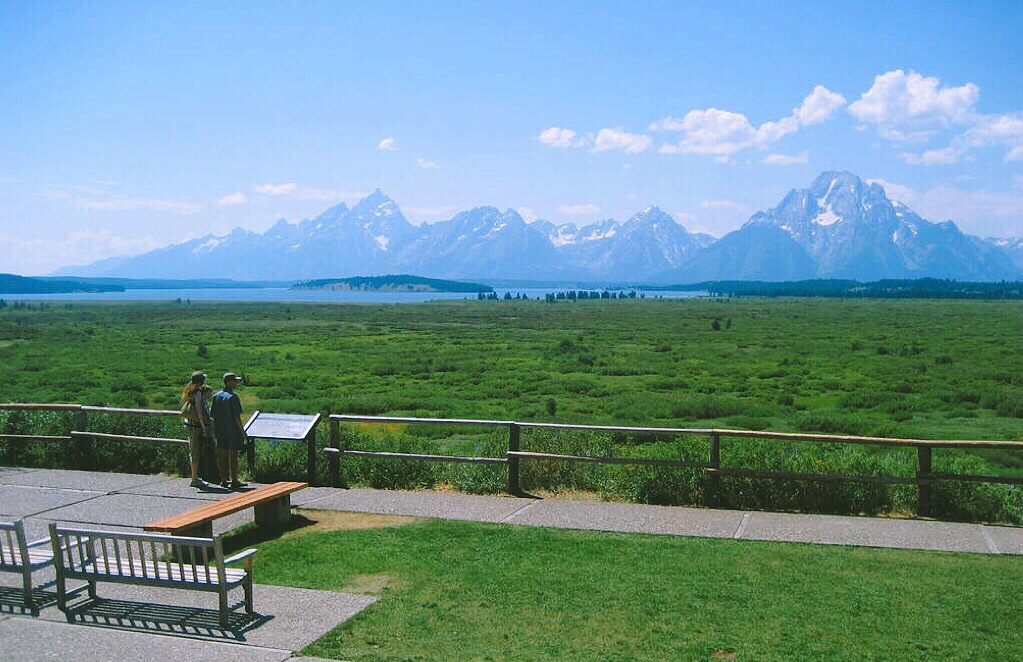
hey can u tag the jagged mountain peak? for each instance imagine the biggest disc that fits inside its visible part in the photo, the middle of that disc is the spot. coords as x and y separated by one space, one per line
331 215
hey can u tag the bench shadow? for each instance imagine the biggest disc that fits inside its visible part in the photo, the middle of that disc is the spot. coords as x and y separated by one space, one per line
251 535
12 600
164 619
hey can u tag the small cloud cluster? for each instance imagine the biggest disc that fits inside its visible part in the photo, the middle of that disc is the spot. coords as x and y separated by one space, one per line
905 108
388 145
605 140
909 108
722 133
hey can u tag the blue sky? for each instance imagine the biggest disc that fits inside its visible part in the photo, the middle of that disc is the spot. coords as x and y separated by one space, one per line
128 126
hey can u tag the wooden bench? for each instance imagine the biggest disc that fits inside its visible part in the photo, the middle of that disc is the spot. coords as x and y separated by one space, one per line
148 559
23 557
272 504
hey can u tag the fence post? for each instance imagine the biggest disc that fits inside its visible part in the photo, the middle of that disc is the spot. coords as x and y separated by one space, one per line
514 445
923 473
714 480
86 452
334 459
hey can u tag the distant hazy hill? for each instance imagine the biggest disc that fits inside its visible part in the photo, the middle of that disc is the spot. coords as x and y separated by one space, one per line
11 284
839 227
402 283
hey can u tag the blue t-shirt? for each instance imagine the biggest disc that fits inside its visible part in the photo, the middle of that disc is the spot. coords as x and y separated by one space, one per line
226 406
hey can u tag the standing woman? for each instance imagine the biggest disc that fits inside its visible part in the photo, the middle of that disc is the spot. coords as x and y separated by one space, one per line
195 410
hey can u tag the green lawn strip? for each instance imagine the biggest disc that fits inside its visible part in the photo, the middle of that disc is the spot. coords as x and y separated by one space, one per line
466 591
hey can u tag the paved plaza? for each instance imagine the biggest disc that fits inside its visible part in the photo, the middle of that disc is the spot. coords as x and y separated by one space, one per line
128 622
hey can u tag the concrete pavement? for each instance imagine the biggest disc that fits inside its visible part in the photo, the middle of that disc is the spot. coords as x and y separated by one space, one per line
128 622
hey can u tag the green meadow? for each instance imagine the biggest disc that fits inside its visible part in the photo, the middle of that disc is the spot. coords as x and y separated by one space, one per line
463 591
926 369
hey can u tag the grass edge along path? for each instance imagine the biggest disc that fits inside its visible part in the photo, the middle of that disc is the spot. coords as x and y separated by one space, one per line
468 591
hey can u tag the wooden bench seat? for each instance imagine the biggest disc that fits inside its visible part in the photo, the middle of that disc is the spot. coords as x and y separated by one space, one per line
272 504
147 559
23 557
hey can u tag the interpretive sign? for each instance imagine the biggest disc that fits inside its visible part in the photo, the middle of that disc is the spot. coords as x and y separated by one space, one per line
293 427
286 427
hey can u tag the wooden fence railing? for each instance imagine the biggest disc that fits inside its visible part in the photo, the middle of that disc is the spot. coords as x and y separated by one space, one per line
923 478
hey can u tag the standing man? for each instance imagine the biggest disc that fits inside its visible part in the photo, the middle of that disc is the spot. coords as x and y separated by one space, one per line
230 434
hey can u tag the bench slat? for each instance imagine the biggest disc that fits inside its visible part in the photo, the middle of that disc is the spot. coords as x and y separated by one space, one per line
232 504
162 570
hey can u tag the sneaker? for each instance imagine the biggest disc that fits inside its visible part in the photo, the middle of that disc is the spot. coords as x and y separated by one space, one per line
197 483
237 485
226 484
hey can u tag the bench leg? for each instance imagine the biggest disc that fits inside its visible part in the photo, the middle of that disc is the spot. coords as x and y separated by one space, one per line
92 590
61 592
223 608
27 591
247 585
274 514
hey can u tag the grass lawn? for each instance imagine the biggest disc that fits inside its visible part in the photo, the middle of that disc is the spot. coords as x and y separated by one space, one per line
467 591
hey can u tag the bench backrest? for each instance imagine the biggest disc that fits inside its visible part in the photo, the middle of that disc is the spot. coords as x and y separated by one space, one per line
13 544
143 556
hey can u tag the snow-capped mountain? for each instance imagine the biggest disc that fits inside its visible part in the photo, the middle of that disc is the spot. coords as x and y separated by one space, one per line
840 227
843 227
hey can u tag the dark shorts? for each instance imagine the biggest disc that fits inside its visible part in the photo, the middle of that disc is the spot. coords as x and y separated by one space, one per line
229 442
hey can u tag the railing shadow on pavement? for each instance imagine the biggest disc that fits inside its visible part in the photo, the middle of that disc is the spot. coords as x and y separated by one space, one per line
193 622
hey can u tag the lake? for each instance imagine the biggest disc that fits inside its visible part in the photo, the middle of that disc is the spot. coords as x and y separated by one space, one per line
283 294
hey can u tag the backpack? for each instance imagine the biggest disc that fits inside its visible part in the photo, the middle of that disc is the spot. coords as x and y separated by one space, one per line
189 412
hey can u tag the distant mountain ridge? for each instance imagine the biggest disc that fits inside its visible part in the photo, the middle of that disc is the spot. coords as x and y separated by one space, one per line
839 227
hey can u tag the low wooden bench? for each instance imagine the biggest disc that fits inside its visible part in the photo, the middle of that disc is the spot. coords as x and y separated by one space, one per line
272 504
23 557
148 559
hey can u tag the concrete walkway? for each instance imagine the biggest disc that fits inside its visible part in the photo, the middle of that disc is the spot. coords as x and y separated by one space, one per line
184 623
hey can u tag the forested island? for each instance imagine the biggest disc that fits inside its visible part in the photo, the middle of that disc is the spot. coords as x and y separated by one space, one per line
12 284
922 288
400 283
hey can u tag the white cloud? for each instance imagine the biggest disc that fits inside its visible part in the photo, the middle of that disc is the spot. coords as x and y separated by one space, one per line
1005 131
427 164
388 145
579 209
104 200
630 143
913 108
558 137
819 106
723 132
785 159
275 189
527 214
237 198
295 192
934 156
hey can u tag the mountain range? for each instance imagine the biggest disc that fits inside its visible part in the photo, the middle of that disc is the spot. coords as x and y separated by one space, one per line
839 227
